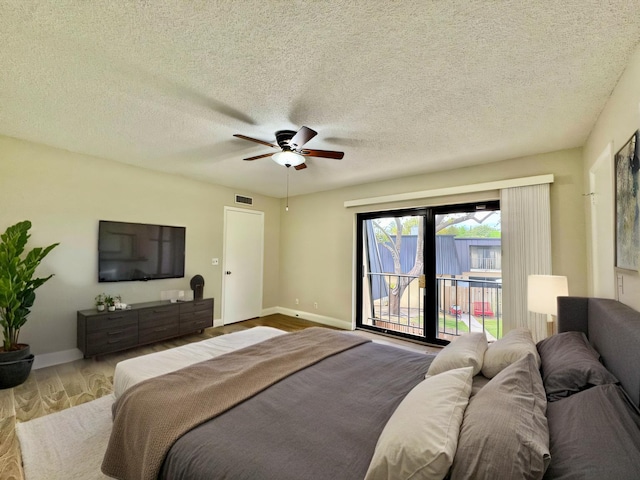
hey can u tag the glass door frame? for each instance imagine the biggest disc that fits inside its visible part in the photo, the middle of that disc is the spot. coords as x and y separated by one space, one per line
429 292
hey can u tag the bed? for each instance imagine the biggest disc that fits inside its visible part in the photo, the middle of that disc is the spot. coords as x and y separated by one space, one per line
135 370
374 411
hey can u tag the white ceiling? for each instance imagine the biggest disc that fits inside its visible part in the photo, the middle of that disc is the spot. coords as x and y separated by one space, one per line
401 87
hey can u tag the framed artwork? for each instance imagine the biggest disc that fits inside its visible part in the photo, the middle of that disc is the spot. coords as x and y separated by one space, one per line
627 167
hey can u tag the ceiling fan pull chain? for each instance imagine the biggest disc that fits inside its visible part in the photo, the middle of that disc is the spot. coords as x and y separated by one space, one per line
287 207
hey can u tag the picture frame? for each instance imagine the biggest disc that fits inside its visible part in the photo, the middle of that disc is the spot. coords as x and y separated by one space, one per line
627 198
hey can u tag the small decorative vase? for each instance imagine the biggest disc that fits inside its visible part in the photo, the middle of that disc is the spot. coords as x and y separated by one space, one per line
111 308
100 307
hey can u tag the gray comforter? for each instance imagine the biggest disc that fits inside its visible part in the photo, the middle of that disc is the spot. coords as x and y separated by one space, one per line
320 423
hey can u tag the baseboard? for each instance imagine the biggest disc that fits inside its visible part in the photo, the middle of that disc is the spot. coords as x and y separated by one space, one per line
217 322
56 358
269 311
314 317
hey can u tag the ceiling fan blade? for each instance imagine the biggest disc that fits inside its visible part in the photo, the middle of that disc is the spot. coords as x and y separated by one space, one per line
244 137
322 153
302 166
303 136
258 156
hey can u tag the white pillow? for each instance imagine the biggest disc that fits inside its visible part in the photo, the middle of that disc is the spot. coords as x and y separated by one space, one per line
516 344
465 351
420 439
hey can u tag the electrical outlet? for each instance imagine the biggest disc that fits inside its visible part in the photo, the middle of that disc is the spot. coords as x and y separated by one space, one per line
214 261
297 302
315 305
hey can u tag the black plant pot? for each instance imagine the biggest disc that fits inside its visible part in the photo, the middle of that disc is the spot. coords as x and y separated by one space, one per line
15 367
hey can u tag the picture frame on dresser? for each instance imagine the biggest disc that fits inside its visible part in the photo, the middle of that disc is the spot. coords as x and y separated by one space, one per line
627 222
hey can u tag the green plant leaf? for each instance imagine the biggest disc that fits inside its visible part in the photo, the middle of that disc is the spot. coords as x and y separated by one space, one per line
17 285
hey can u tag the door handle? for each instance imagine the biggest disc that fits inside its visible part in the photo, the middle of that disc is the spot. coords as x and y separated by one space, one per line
228 272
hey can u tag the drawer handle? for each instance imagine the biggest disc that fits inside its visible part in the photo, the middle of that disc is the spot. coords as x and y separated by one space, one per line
113 341
161 329
118 332
115 317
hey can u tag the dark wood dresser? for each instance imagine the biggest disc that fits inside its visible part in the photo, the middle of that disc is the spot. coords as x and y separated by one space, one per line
107 332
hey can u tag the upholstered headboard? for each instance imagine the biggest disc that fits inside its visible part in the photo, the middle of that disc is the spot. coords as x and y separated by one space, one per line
613 328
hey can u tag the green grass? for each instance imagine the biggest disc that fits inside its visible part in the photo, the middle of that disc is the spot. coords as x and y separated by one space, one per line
490 324
450 325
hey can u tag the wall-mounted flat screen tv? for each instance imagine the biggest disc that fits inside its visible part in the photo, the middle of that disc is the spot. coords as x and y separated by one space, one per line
138 251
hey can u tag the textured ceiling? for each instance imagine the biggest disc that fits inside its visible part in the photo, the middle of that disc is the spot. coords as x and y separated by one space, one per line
401 87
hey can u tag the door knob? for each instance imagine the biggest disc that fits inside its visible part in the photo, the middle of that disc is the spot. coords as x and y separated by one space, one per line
228 272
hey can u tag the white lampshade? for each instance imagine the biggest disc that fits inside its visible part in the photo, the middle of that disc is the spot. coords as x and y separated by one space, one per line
287 158
543 292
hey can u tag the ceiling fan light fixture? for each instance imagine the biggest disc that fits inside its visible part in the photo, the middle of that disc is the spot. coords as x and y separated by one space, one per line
288 158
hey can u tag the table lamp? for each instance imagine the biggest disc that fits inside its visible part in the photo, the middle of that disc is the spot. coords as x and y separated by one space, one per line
542 296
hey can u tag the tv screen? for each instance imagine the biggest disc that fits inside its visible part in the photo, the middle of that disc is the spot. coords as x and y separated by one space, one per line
138 251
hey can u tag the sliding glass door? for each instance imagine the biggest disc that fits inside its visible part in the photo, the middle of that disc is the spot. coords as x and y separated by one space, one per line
468 269
392 285
429 274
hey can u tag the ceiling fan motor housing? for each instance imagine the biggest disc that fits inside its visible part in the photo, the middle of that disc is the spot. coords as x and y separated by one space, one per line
283 138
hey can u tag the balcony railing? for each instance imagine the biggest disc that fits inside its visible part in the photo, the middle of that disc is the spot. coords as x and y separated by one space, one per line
466 305
463 305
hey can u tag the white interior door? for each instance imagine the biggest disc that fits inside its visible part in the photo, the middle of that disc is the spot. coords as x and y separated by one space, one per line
243 253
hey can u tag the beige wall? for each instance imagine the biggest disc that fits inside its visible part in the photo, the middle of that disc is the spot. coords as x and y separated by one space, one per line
65 194
317 233
308 250
617 122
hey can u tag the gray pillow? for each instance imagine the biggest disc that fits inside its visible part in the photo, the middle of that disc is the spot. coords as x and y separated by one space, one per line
570 364
504 433
594 434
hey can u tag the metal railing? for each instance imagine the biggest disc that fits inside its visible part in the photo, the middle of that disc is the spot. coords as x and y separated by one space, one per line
466 305
393 306
463 305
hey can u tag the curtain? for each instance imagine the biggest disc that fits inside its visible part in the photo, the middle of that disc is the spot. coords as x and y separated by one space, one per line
379 288
526 250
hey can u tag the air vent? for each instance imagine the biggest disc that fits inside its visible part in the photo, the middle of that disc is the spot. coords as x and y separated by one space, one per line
244 200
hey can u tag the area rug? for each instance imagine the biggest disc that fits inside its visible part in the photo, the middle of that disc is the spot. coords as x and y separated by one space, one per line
67 445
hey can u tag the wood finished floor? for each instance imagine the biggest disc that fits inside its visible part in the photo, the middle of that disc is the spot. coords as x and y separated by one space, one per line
56 388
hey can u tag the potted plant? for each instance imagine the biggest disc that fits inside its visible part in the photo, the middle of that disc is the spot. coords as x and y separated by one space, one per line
100 302
17 295
110 302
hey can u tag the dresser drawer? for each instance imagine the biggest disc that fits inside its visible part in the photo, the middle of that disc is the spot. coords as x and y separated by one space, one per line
196 305
112 340
158 332
194 321
111 320
160 316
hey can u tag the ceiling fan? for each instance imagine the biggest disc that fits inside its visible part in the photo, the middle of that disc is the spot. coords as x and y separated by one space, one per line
290 144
